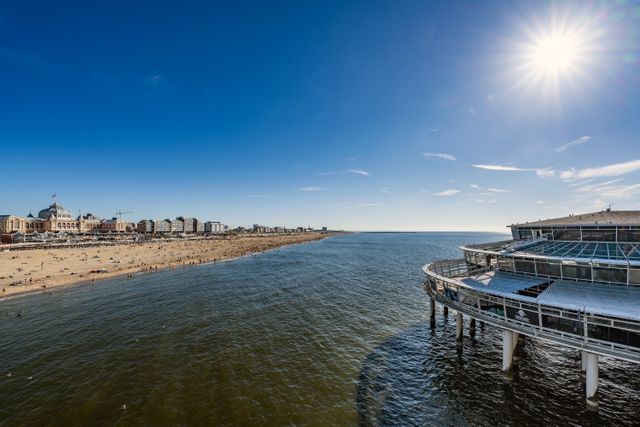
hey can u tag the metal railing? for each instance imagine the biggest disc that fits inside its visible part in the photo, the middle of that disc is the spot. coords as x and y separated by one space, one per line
455 268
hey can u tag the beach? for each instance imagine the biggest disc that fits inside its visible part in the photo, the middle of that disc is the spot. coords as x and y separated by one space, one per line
37 270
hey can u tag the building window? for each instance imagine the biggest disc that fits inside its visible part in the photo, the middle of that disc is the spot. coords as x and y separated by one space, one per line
525 266
576 271
548 268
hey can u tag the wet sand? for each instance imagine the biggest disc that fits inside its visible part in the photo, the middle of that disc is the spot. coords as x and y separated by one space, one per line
38 270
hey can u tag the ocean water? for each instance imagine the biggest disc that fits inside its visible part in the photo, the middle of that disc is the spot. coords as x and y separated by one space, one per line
334 332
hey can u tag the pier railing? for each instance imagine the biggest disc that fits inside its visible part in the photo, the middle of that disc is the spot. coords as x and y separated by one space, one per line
456 268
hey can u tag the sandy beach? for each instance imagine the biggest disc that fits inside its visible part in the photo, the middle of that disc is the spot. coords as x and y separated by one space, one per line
38 270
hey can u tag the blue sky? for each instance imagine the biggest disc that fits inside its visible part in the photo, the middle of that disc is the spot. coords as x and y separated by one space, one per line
357 115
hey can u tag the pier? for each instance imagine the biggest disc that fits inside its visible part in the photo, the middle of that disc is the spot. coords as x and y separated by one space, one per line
579 294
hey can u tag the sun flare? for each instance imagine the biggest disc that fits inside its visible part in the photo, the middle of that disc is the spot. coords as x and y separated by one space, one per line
554 54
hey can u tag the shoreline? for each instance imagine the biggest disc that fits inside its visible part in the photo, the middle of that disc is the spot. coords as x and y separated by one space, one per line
234 252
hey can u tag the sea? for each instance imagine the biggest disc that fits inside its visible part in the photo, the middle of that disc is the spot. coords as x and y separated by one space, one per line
328 333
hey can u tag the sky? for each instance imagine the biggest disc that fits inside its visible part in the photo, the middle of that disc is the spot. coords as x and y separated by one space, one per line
361 115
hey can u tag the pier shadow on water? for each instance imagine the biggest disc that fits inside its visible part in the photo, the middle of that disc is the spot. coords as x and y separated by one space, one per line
420 377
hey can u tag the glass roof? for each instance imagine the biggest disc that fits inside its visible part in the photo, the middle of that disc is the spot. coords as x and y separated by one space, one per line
618 251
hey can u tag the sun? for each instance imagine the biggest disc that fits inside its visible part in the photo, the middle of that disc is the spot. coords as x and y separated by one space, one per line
555 53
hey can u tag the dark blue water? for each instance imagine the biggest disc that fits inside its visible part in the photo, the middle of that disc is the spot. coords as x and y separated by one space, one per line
328 333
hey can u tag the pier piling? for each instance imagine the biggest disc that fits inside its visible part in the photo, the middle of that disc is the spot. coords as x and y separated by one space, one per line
592 377
459 328
509 343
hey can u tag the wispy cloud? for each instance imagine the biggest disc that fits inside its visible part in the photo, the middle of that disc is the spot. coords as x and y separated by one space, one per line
344 172
446 193
617 169
491 189
368 205
386 191
359 172
502 168
428 131
610 190
498 190
545 172
259 196
491 97
595 187
445 156
571 144
488 201
155 79
472 111
580 183
311 189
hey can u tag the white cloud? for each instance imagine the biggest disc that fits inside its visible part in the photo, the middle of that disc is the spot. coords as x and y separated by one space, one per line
354 171
617 169
491 97
492 190
445 156
600 194
311 189
386 191
596 187
447 193
472 111
488 201
581 183
502 168
259 196
359 172
545 173
368 205
540 202
573 143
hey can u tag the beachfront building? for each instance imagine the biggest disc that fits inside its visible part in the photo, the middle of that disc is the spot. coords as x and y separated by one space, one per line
54 218
162 226
12 224
189 224
145 226
199 226
572 281
214 227
57 218
89 223
177 225
114 225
